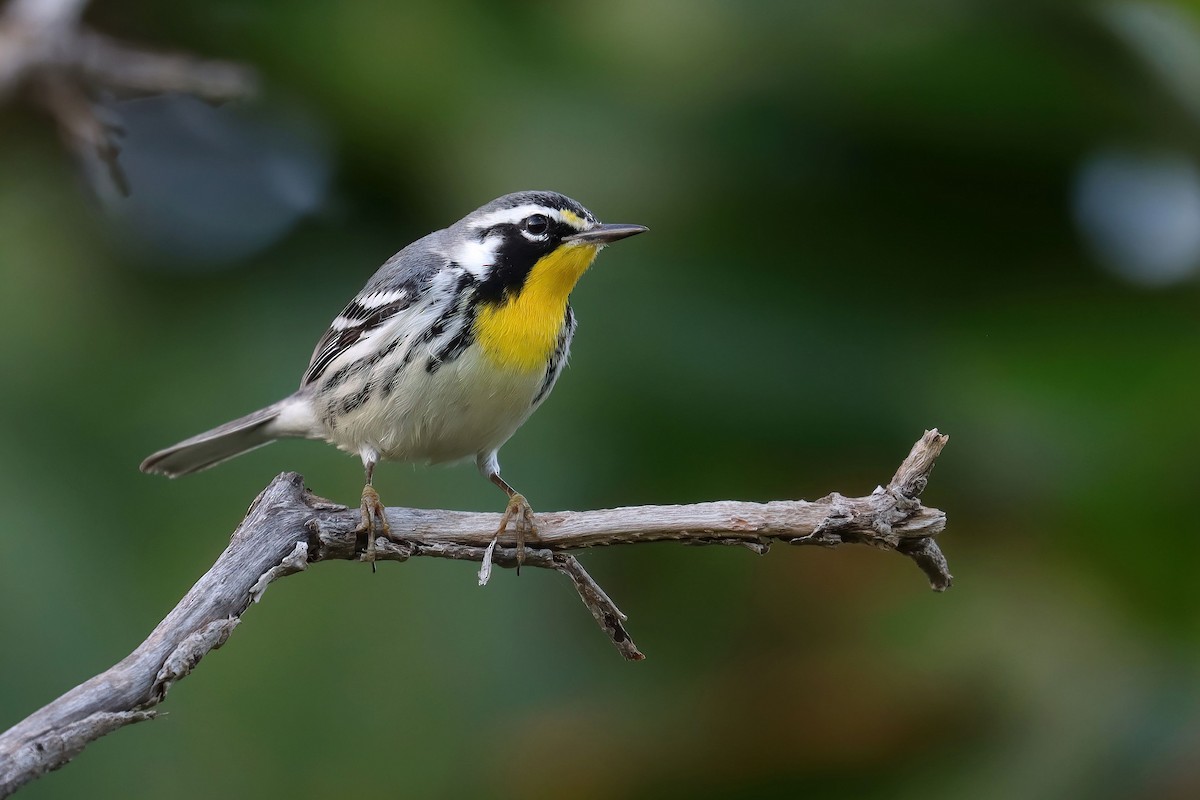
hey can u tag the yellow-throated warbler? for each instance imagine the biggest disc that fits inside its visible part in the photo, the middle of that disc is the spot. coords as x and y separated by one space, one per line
444 353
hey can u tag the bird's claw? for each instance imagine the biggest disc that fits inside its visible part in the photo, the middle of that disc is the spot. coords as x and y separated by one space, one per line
524 527
372 508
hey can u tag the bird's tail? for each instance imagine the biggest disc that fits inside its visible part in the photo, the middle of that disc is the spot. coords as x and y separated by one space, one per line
289 417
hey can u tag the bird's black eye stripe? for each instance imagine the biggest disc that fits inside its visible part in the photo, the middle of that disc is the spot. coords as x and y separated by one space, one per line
536 224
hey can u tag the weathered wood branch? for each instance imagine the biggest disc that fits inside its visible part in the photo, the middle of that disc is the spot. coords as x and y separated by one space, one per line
287 528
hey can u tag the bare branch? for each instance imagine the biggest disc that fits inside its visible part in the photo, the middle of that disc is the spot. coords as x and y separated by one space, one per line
47 36
117 65
287 528
45 47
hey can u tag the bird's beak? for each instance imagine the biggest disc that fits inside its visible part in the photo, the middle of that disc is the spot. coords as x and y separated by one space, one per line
605 234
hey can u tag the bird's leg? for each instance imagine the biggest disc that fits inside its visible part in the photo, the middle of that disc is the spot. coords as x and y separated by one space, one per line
372 507
520 512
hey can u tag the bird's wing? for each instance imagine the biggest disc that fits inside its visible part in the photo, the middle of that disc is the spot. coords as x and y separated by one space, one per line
400 287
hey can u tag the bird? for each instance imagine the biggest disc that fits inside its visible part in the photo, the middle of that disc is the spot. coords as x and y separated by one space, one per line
445 352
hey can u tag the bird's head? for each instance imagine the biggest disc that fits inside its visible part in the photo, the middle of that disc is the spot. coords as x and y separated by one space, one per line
540 240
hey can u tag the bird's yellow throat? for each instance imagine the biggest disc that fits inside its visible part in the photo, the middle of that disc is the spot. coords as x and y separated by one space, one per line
521 331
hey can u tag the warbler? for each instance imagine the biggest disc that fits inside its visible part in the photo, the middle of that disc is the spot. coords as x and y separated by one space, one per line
441 357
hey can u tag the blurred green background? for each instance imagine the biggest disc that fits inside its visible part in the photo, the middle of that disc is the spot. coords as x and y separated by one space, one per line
869 217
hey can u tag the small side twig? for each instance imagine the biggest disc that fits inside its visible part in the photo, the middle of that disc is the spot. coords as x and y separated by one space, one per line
604 610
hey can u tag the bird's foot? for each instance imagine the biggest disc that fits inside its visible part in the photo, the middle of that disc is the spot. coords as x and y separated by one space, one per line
372 508
521 514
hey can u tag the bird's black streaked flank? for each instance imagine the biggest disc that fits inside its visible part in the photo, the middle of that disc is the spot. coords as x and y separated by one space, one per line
445 352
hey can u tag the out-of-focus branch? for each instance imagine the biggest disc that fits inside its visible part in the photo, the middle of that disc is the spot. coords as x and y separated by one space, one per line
287 528
41 36
46 49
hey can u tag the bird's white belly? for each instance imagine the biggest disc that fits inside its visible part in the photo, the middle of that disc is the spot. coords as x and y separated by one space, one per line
466 407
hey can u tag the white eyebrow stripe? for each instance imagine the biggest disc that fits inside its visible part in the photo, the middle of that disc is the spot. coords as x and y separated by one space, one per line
518 213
